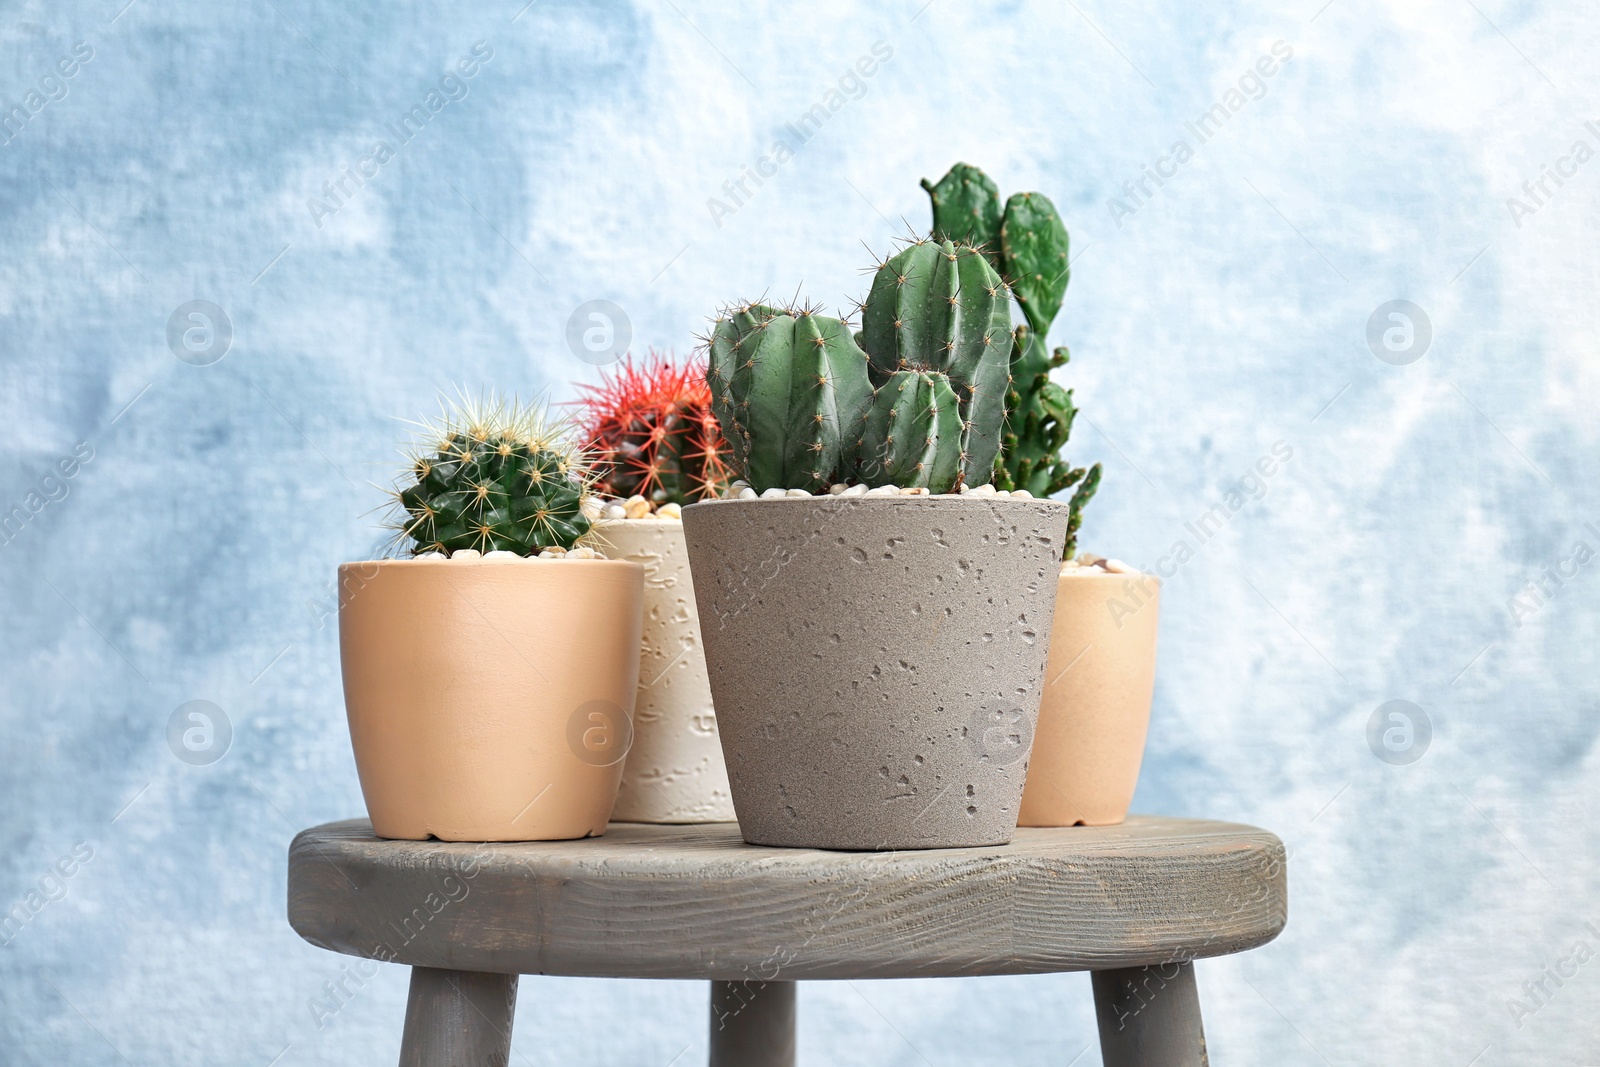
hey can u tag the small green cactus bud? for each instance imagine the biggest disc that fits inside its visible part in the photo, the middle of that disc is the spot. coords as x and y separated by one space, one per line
492 475
913 433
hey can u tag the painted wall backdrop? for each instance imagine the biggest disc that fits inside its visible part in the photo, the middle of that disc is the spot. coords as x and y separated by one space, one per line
374 207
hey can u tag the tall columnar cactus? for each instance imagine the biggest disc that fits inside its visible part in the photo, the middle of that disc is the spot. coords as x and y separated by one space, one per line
1027 242
790 389
937 310
492 475
651 431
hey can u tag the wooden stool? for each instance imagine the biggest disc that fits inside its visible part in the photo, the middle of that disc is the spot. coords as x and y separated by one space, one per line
1136 904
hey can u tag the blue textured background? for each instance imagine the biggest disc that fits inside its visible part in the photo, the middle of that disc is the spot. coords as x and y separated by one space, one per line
192 557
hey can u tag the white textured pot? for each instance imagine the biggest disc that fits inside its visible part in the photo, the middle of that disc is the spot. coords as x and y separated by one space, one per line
674 772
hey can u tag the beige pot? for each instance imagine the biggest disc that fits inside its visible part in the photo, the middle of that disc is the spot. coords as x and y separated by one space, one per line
490 701
674 772
1095 710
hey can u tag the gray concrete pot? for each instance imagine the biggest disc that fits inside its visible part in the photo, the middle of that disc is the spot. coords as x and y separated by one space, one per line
876 662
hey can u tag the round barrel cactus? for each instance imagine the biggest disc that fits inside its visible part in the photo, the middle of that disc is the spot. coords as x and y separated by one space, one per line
493 475
651 432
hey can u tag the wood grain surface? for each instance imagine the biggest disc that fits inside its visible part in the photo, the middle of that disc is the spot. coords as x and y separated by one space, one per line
458 1017
1150 1015
697 902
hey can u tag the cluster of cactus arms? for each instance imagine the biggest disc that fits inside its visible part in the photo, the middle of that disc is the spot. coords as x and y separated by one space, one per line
651 432
1026 242
492 475
916 398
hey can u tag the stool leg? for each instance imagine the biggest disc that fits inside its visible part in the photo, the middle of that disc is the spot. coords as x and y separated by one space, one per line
1149 1017
458 1017
752 1024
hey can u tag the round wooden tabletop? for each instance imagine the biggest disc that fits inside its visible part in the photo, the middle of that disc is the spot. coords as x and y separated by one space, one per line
697 902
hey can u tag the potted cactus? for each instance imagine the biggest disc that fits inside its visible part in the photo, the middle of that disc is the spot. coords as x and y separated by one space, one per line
875 612
656 446
490 670
1095 709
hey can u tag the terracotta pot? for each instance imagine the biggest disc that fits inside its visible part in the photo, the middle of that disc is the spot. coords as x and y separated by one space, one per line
876 662
1095 711
490 701
674 772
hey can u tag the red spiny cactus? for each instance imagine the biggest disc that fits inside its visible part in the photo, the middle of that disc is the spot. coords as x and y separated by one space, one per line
651 432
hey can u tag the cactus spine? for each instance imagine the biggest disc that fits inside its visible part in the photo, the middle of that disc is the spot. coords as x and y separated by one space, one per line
492 475
937 308
791 391
1028 243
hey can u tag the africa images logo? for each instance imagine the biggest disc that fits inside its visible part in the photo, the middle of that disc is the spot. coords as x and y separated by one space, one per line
1251 85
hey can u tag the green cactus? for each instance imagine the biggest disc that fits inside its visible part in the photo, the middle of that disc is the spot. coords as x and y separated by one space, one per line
913 436
1029 244
966 208
1080 497
791 392
1033 254
492 475
938 307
